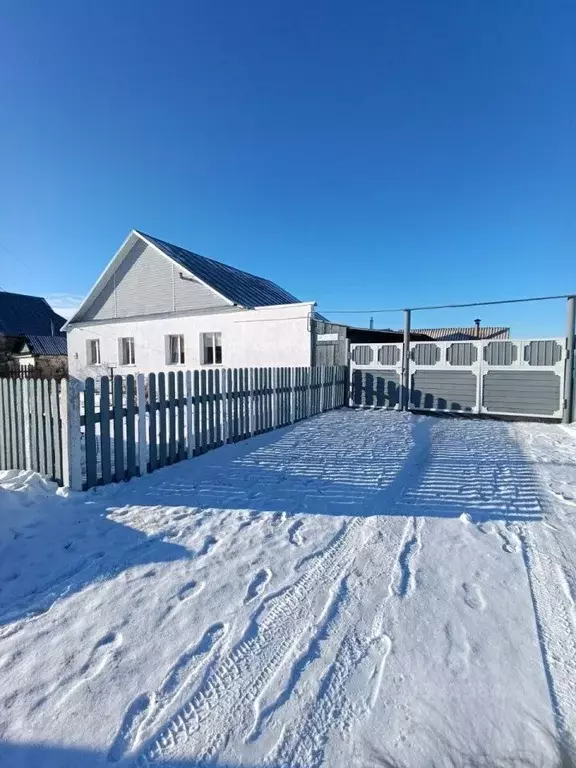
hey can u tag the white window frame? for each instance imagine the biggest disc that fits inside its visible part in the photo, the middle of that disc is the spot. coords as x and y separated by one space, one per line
179 350
215 335
93 344
131 351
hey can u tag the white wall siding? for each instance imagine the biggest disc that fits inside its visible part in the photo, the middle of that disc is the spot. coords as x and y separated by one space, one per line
148 283
271 336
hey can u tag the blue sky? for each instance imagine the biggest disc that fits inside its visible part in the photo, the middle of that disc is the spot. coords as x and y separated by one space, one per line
363 155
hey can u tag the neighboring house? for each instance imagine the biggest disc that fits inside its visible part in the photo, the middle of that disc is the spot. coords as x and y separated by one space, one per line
25 317
158 307
465 334
46 355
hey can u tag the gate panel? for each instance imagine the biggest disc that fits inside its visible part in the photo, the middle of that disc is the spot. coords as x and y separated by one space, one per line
499 377
376 373
443 390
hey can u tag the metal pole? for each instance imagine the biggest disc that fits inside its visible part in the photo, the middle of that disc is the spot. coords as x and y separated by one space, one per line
406 361
570 372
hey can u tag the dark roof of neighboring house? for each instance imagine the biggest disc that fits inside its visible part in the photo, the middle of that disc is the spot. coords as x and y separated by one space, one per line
21 315
461 334
237 286
43 345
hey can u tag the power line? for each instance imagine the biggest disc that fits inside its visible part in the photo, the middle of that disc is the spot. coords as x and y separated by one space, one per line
444 306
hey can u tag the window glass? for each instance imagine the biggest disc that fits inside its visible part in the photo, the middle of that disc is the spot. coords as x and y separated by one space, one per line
127 351
94 352
211 348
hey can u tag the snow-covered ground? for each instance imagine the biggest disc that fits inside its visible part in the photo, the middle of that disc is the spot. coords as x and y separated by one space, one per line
363 581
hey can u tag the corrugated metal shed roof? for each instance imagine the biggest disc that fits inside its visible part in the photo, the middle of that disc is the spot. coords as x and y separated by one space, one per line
237 286
21 315
44 345
460 334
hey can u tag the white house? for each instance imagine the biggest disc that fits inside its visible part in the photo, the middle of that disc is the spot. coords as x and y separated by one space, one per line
160 307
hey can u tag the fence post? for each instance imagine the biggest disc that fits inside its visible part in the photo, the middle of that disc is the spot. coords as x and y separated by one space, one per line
71 434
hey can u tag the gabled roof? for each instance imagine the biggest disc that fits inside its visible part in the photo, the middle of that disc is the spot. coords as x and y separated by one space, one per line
239 287
42 345
21 315
461 334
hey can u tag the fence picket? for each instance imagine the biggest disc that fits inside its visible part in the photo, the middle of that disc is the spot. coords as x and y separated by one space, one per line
189 416
197 436
171 417
152 429
130 428
142 424
181 438
162 442
19 403
57 426
105 453
3 425
118 409
42 464
218 407
90 434
210 409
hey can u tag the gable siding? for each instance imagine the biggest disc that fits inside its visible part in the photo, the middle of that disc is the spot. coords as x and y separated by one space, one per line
193 295
147 283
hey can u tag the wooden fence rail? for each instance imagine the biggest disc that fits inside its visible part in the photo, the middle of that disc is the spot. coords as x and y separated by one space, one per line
107 430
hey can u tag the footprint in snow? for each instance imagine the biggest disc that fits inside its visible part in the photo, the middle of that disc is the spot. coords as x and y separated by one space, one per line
208 545
294 535
259 581
100 656
473 597
189 590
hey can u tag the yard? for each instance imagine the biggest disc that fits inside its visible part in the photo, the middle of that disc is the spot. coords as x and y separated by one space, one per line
362 582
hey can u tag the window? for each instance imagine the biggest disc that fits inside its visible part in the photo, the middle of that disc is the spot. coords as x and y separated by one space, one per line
211 348
127 351
93 352
175 350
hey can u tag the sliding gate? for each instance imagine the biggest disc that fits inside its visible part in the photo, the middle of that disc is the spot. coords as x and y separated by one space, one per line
509 377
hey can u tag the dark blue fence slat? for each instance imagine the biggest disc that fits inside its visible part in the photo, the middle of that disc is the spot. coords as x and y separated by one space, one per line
131 470
171 417
152 428
118 408
105 453
181 406
90 434
162 437
196 397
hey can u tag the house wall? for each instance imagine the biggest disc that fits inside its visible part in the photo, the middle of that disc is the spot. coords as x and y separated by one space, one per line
148 283
271 336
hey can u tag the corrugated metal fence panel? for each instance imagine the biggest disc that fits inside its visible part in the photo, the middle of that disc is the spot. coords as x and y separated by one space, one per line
547 352
500 353
376 388
425 353
462 353
444 390
522 392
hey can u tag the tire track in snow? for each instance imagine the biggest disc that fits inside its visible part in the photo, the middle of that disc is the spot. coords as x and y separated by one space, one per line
406 559
236 682
303 745
148 706
556 626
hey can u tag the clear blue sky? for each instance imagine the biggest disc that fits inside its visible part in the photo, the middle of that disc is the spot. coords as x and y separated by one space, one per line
363 155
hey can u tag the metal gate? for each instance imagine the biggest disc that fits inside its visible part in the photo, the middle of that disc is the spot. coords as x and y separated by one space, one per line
513 377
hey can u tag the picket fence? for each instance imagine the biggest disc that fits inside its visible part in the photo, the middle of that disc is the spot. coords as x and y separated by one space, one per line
31 434
84 434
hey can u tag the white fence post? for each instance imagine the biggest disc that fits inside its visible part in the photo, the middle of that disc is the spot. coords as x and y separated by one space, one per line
71 434
142 424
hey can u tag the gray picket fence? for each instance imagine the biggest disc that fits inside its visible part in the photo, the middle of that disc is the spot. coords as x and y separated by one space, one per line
136 424
31 432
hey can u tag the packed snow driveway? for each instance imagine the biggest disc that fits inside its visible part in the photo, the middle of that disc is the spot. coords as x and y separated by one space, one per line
361 582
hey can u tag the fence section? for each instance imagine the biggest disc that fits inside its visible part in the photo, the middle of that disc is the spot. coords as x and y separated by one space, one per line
31 434
515 377
133 425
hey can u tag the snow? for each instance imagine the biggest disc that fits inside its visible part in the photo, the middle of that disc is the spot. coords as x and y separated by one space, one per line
362 581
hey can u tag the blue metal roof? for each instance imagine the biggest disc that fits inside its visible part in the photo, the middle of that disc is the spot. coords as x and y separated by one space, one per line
45 345
21 315
237 286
